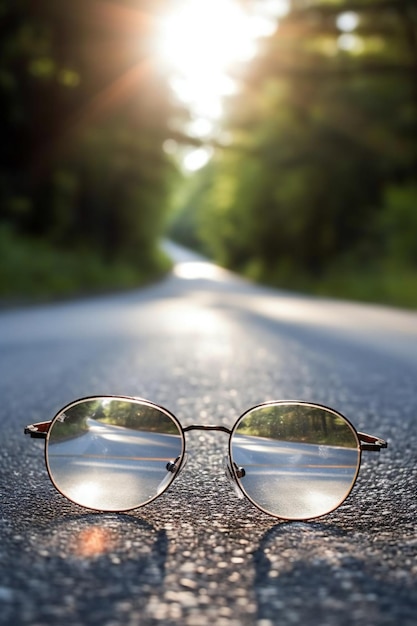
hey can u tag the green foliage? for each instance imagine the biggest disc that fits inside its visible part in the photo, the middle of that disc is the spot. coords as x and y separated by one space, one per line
398 224
70 425
120 413
183 223
32 270
318 183
139 417
322 183
379 282
82 169
298 423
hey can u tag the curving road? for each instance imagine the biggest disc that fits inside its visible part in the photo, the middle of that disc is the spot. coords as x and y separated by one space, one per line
208 345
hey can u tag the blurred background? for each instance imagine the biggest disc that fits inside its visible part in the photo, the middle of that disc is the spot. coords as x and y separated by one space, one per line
278 137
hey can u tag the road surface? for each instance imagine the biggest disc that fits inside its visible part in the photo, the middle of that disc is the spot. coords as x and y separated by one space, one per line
207 346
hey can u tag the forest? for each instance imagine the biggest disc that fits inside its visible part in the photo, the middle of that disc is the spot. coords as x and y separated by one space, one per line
312 182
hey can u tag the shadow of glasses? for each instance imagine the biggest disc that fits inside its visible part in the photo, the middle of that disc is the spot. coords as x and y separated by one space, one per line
319 573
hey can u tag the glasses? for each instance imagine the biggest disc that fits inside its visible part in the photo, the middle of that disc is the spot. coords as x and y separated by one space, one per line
292 460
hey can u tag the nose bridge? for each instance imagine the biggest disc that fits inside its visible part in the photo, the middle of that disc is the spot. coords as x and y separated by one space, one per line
222 429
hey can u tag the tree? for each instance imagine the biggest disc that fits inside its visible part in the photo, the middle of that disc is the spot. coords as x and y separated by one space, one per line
326 121
86 111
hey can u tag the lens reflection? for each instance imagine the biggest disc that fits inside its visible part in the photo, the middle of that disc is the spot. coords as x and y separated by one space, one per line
300 460
111 454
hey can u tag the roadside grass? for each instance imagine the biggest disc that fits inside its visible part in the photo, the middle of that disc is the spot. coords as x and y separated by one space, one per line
383 284
32 271
390 286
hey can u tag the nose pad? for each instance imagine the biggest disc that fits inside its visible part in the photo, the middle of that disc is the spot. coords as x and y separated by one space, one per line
172 468
232 478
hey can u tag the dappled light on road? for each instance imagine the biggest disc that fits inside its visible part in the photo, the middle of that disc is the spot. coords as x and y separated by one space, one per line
193 270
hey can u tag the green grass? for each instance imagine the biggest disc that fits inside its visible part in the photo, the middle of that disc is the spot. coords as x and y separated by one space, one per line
33 271
395 286
385 284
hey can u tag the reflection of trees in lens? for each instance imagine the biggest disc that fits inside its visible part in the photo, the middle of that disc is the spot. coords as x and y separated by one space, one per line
134 415
122 413
301 423
73 421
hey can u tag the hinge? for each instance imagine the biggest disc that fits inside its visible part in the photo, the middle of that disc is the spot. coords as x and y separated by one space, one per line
38 431
371 443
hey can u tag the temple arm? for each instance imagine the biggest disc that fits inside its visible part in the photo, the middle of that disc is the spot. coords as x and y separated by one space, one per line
371 443
39 430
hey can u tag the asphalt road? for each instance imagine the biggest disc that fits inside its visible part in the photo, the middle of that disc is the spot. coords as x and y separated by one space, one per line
207 346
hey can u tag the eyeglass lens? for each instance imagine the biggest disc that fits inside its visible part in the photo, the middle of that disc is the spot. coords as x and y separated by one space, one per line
300 461
112 454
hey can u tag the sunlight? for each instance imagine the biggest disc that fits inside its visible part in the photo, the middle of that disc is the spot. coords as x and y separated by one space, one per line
201 42
87 491
350 43
193 270
347 21
196 159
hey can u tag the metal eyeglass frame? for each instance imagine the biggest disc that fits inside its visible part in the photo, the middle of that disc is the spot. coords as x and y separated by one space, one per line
234 473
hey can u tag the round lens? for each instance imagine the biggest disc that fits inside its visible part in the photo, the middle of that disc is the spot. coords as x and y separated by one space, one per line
300 460
113 454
